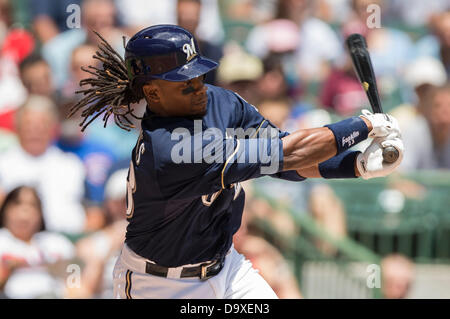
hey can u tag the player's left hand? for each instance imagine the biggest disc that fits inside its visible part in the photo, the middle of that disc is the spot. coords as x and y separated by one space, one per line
383 124
370 163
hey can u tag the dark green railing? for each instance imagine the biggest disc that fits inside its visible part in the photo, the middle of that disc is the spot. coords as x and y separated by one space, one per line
382 217
302 249
385 217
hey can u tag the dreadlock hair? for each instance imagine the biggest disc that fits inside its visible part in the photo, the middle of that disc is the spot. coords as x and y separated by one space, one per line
110 90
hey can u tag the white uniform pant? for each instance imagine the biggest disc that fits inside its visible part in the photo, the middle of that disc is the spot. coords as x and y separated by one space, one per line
237 280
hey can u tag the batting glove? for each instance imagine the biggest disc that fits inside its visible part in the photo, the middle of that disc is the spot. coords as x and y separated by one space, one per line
370 163
383 124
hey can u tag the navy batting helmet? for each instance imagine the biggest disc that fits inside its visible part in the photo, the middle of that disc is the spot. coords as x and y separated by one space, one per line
166 52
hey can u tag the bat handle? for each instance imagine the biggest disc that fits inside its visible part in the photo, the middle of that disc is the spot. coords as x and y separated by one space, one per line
390 154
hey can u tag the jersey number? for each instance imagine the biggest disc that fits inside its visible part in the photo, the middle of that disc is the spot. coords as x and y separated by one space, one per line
131 182
131 188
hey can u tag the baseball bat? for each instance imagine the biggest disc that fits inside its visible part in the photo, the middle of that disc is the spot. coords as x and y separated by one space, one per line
362 64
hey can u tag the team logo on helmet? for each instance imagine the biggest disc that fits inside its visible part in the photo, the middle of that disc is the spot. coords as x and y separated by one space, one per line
189 49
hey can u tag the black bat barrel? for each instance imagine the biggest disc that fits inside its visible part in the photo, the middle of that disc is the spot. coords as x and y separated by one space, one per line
357 47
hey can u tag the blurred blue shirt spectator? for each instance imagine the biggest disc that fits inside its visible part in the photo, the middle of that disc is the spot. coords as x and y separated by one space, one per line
50 17
437 44
97 15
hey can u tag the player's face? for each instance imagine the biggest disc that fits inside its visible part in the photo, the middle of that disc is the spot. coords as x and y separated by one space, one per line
187 98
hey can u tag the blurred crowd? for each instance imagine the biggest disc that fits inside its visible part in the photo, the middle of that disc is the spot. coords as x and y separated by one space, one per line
63 191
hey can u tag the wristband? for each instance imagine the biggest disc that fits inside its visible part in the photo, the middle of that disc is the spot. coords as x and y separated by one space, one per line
339 166
349 132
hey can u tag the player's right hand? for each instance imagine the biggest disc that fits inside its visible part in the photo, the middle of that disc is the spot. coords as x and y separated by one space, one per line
383 124
370 163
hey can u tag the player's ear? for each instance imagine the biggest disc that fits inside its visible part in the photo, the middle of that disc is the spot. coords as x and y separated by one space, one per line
151 92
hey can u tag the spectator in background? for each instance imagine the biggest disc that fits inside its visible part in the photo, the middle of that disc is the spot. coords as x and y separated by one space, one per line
420 76
99 250
12 91
5 18
112 137
36 76
50 17
273 83
279 101
390 49
317 44
334 12
328 211
276 46
101 16
240 72
58 177
414 13
268 260
341 92
73 49
248 11
397 276
143 13
442 27
427 139
97 15
188 17
81 56
97 159
15 45
290 117
437 44
27 251
277 110
97 147
279 79
7 139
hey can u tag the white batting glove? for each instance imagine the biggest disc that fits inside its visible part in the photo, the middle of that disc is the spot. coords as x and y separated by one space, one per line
383 124
370 163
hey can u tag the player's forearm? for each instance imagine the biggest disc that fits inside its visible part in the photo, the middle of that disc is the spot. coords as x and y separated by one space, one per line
306 148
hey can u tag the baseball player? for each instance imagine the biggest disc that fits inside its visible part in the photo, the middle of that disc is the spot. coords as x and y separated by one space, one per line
197 142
